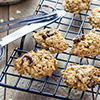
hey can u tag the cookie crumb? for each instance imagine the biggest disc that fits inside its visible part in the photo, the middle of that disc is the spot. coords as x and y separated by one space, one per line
18 11
1 20
11 18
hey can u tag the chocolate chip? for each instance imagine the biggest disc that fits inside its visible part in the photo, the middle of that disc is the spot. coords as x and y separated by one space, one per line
44 37
78 38
29 59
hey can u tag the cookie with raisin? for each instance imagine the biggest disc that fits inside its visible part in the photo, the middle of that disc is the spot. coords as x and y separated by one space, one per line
51 39
86 45
76 6
81 77
94 18
37 64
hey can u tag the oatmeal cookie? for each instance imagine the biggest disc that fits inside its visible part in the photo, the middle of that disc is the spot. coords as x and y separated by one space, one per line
51 39
76 6
81 77
86 45
94 18
37 64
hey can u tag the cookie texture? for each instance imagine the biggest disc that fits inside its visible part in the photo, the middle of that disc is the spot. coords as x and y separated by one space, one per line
37 64
86 45
51 39
81 77
94 18
76 6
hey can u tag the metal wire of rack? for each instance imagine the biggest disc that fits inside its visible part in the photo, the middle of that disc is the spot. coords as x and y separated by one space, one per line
66 29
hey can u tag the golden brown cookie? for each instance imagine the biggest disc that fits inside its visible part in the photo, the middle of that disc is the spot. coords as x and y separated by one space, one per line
37 64
76 6
81 77
94 18
86 45
51 39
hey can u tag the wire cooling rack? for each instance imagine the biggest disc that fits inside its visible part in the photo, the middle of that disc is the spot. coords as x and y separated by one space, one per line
70 26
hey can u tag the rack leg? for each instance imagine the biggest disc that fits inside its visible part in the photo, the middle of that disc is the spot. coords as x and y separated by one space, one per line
82 28
5 87
22 44
87 62
92 94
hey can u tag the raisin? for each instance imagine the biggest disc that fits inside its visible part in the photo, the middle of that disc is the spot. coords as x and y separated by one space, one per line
29 59
83 35
22 61
92 84
86 46
83 76
78 38
50 34
44 37
47 33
